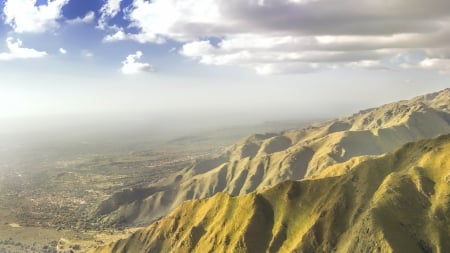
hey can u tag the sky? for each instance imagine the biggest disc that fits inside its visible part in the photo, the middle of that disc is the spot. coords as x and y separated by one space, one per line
218 59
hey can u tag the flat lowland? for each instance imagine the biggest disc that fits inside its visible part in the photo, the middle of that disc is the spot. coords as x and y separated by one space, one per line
48 192
38 239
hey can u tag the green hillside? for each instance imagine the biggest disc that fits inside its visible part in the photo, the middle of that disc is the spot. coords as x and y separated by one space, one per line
264 160
398 202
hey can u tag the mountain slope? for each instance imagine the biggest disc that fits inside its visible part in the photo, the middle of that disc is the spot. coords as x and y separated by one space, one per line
399 202
264 160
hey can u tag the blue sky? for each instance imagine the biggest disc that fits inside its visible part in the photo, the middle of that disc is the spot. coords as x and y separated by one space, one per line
255 59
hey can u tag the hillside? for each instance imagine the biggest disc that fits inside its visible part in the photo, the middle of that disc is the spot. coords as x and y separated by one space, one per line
263 160
398 202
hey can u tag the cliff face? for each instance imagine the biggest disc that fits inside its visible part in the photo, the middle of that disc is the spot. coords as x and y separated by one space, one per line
398 202
264 160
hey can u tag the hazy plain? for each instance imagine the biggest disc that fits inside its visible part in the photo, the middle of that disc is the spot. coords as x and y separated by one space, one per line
54 171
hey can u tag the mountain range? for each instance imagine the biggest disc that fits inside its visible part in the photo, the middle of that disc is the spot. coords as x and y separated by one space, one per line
397 202
261 161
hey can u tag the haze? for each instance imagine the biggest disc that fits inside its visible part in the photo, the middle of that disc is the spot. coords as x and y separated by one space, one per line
70 65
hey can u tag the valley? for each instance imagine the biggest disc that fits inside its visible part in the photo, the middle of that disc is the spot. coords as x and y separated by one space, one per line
214 126
330 187
264 160
48 195
299 185
398 202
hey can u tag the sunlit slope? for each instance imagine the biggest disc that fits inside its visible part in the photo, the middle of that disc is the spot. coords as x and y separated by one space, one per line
267 159
398 202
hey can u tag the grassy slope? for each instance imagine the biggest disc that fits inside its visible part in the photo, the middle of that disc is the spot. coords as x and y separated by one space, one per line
398 202
267 159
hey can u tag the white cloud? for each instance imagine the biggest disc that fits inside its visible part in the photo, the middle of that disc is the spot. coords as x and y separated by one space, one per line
440 65
25 16
16 51
108 10
119 35
111 7
131 66
292 35
88 18
62 51
368 64
286 68
197 49
157 19
277 55
141 37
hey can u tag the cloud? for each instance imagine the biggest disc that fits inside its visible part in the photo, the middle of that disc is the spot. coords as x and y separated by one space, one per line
268 55
197 49
109 10
87 53
156 19
369 64
119 35
62 51
88 18
291 35
111 7
286 68
440 65
25 16
16 51
131 66
194 18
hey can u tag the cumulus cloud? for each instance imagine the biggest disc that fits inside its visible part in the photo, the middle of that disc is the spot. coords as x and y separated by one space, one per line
292 35
118 35
157 19
278 55
109 10
436 64
25 16
88 18
131 65
111 7
16 51
62 51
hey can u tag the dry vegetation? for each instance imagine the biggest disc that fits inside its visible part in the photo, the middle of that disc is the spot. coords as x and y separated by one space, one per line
74 203
263 160
48 193
399 202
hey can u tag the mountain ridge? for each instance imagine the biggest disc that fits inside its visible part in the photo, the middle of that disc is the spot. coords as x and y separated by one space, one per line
397 202
264 160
